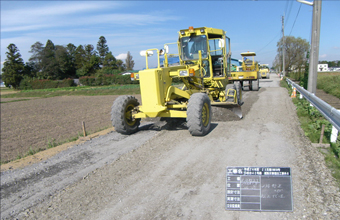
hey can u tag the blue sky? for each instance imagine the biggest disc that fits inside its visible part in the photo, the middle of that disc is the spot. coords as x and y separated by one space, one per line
138 25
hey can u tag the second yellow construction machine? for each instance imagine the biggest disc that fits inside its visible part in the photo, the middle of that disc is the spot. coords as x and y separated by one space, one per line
248 74
264 71
204 63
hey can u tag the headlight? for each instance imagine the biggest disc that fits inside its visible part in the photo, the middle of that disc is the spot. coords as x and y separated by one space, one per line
183 73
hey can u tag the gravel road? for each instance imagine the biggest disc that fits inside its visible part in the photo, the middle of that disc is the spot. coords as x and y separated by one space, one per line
162 172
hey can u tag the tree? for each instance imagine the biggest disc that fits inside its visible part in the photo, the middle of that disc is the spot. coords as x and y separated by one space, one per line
30 69
71 54
295 53
37 54
129 63
102 48
13 69
109 62
120 65
79 57
49 64
65 62
87 61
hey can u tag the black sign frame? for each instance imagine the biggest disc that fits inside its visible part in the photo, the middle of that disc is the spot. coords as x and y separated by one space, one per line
259 189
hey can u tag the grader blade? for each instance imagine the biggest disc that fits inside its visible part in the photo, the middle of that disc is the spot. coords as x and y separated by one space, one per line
236 110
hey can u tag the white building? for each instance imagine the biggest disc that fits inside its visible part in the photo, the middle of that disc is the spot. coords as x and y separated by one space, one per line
323 67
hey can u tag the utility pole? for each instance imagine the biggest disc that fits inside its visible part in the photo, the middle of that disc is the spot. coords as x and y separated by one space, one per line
283 46
314 52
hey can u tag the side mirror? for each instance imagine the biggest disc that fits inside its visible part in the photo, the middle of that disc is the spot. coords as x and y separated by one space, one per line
144 52
221 43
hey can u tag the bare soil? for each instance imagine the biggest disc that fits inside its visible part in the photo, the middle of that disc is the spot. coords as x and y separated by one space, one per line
35 123
330 99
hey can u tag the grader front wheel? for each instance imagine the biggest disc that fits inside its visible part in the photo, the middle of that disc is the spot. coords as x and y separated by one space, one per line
121 115
199 114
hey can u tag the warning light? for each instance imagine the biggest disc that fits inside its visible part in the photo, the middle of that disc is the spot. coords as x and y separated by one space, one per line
191 72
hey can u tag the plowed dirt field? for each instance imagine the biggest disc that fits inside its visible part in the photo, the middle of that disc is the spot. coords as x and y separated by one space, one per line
34 124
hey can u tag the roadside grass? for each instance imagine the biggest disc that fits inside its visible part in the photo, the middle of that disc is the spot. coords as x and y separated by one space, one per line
311 121
330 84
6 89
333 161
77 91
51 143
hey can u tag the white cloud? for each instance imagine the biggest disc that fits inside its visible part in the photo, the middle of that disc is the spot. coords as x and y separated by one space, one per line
131 19
52 15
23 28
121 56
323 56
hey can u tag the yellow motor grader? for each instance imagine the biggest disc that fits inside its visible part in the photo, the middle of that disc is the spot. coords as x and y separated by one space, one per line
204 63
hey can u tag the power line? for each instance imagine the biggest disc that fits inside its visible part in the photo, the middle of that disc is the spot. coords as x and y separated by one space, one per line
290 9
295 19
268 43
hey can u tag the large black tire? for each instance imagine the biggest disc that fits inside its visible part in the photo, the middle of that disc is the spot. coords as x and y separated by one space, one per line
199 114
255 85
121 115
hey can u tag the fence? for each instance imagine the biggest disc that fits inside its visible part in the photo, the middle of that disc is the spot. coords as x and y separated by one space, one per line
329 112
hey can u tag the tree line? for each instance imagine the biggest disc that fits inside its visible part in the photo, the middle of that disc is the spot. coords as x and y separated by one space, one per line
296 54
58 62
335 63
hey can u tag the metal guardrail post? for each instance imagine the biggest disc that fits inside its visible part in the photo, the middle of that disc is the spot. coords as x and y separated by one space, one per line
329 112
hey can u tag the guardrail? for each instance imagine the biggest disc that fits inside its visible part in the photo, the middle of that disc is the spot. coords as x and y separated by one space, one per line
329 112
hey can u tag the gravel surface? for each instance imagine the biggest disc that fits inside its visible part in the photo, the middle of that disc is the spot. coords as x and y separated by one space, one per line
162 172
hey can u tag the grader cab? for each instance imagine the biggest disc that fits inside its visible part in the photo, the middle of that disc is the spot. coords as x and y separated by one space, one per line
204 63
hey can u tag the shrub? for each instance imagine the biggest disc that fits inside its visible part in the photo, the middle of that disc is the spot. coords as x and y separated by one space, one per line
106 79
28 83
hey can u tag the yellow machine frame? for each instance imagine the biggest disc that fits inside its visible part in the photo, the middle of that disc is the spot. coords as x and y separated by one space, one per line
264 71
204 55
250 70
159 95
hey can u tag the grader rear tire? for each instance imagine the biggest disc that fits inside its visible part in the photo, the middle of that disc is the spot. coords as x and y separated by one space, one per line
121 116
199 114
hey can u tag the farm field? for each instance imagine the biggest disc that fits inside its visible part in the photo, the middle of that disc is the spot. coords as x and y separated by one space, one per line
41 122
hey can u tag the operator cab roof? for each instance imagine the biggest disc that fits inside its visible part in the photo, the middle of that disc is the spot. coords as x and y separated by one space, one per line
247 54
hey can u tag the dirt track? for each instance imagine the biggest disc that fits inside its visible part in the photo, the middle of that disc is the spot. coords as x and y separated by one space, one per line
168 174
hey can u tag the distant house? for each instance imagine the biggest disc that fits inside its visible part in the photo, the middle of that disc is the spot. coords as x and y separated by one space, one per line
323 67
336 69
